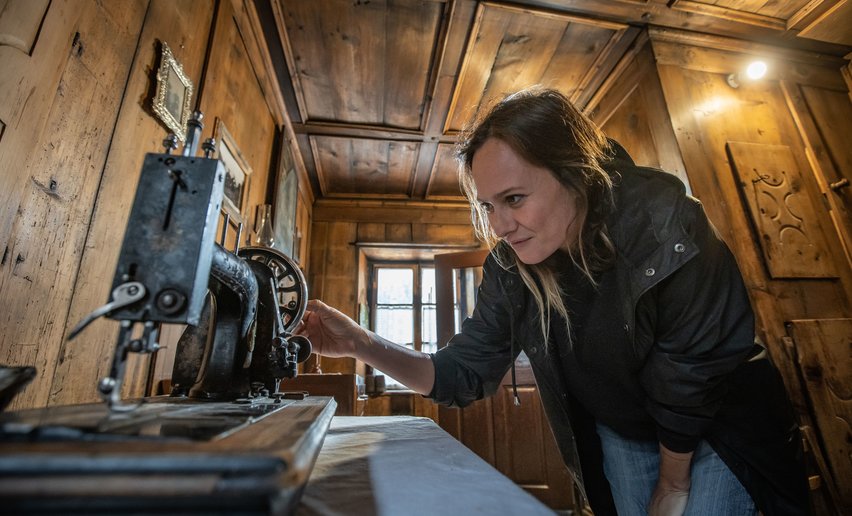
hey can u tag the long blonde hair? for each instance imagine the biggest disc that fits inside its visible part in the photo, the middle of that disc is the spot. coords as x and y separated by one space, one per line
545 128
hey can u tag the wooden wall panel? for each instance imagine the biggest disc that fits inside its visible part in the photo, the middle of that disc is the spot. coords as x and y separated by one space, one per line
60 92
824 118
184 25
232 93
631 109
825 358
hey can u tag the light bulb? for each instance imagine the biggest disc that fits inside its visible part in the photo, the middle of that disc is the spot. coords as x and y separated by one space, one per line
756 70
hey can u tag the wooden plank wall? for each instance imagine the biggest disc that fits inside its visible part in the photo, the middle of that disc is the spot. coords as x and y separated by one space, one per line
59 102
75 123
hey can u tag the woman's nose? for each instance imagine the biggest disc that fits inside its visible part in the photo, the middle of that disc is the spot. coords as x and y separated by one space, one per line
501 222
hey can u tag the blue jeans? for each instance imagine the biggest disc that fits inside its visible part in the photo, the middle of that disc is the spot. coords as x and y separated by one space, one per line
632 468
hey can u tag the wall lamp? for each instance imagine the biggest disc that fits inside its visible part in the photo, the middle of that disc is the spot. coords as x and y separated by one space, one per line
755 70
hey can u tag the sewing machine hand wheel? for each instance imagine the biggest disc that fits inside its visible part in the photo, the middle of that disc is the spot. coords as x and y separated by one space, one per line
304 347
290 286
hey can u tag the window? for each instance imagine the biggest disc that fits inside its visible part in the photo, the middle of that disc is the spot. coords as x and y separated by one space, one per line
403 306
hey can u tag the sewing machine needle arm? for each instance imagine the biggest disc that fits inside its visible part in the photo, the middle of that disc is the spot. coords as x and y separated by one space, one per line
123 295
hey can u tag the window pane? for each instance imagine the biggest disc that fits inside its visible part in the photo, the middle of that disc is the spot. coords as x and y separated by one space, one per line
395 323
427 286
428 331
395 286
456 309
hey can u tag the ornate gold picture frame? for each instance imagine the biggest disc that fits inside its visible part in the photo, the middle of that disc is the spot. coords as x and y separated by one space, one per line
173 98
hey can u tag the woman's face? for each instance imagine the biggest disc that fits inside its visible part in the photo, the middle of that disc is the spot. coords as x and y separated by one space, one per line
526 205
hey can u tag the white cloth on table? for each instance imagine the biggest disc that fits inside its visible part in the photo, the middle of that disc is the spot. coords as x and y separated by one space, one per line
403 465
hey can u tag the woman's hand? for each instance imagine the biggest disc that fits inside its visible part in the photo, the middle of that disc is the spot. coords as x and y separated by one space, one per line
672 491
334 335
331 333
668 501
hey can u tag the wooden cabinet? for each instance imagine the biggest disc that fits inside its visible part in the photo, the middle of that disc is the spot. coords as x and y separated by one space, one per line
344 388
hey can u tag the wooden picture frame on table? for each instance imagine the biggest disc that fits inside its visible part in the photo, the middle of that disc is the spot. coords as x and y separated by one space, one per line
286 194
173 95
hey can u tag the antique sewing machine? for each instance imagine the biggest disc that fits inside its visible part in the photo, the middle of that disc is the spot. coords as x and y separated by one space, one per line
225 439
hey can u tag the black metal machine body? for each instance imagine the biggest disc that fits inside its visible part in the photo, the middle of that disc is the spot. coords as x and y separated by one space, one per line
240 309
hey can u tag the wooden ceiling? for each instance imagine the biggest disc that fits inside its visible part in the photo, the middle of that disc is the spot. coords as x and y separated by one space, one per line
377 90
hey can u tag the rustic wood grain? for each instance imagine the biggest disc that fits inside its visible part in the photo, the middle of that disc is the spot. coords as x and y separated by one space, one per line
370 210
382 47
512 48
823 117
824 348
349 167
290 438
68 91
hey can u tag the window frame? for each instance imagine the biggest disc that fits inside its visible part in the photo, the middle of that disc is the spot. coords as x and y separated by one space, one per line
417 302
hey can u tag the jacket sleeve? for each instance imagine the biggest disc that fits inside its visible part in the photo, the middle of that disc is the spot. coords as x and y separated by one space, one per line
475 360
704 330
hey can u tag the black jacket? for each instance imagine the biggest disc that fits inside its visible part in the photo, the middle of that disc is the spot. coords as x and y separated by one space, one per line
700 374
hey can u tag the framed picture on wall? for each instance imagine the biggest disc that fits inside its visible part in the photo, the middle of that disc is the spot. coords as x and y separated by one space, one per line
286 193
237 174
173 96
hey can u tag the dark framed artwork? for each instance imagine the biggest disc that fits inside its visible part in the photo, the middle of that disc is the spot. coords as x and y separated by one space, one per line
286 193
173 96
237 174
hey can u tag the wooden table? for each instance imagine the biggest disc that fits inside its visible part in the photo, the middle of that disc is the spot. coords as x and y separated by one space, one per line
403 465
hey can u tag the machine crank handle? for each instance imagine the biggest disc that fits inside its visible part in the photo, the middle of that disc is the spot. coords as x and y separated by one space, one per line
123 295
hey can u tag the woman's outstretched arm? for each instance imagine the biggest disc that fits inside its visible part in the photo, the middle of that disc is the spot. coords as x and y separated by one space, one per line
333 334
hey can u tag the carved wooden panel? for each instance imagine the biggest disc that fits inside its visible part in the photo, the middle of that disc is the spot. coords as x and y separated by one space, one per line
824 348
372 63
512 48
360 167
784 216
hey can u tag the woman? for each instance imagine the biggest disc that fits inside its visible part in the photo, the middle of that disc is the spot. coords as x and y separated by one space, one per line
632 312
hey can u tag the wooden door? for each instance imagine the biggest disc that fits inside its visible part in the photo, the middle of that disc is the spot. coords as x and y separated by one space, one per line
824 349
515 439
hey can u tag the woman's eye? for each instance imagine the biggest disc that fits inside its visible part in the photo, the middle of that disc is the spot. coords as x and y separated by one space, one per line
513 199
486 207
